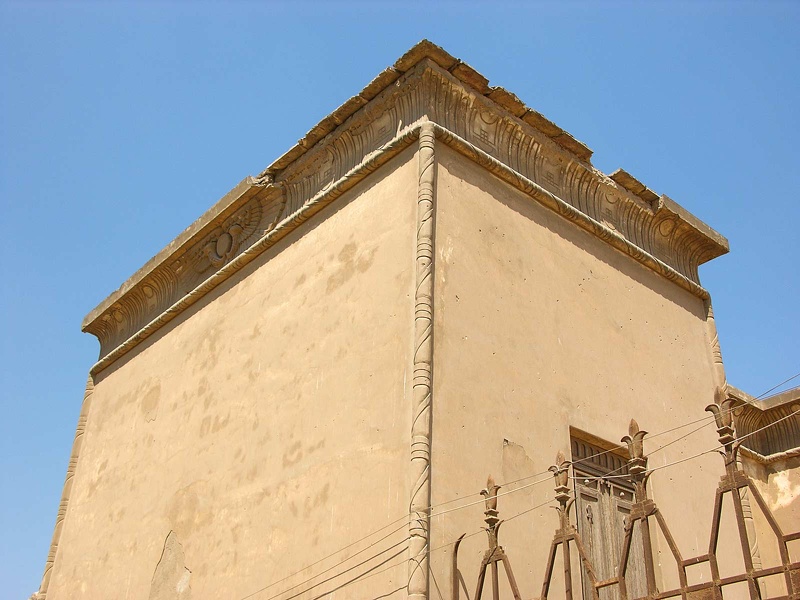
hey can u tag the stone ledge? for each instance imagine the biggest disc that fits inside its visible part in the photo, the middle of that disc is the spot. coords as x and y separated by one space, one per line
461 71
634 186
241 192
752 415
519 144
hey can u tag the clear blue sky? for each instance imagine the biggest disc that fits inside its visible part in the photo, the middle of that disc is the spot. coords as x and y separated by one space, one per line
121 122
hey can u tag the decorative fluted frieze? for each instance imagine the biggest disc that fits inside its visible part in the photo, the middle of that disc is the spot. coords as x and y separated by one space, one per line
322 199
489 125
566 210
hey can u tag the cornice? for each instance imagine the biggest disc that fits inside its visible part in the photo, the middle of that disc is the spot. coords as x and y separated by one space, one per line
770 427
489 125
770 458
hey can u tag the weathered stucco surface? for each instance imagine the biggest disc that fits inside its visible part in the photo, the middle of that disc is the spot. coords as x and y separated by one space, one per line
263 394
779 485
271 417
541 327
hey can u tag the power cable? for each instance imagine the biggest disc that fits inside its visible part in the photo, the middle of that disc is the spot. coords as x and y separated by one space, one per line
429 552
356 578
319 583
431 515
683 460
610 474
777 386
324 558
369 573
738 439
474 533
406 518
708 418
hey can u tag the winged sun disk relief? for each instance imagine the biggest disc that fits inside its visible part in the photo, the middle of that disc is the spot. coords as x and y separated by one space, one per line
224 242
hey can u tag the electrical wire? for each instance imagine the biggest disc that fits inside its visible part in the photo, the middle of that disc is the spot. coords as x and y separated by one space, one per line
372 573
324 558
611 474
708 419
683 460
347 570
677 462
405 519
460 507
777 386
738 439
356 578
429 552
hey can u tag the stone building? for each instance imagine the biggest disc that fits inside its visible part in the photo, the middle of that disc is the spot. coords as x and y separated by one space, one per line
314 379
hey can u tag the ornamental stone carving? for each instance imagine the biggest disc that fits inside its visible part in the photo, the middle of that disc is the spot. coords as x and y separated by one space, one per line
488 125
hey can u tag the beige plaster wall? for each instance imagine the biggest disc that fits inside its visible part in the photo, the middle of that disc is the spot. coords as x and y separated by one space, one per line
540 327
262 429
779 486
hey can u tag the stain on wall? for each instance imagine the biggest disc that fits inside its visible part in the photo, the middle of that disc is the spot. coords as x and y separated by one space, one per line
150 401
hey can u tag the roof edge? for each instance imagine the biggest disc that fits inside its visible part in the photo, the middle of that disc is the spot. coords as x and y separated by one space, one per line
490 121
425 49
241 192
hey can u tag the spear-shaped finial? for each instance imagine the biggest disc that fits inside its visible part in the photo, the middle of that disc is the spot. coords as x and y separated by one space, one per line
492 519
635 440
722 409
561 476
637 461
560 470
490 494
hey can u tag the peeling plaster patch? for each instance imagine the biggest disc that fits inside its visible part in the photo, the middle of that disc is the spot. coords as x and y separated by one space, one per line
516 462
787 492
171 578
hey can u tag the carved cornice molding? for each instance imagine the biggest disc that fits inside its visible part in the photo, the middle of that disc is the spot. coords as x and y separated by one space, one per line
770 458
488 125
770 427
251 211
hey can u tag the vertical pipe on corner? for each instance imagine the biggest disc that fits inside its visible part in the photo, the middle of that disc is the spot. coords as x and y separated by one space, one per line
419 512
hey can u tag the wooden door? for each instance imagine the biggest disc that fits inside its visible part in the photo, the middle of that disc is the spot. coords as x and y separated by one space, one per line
603 507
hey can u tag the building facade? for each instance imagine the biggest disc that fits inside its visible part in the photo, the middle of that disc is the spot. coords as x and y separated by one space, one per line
309 385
